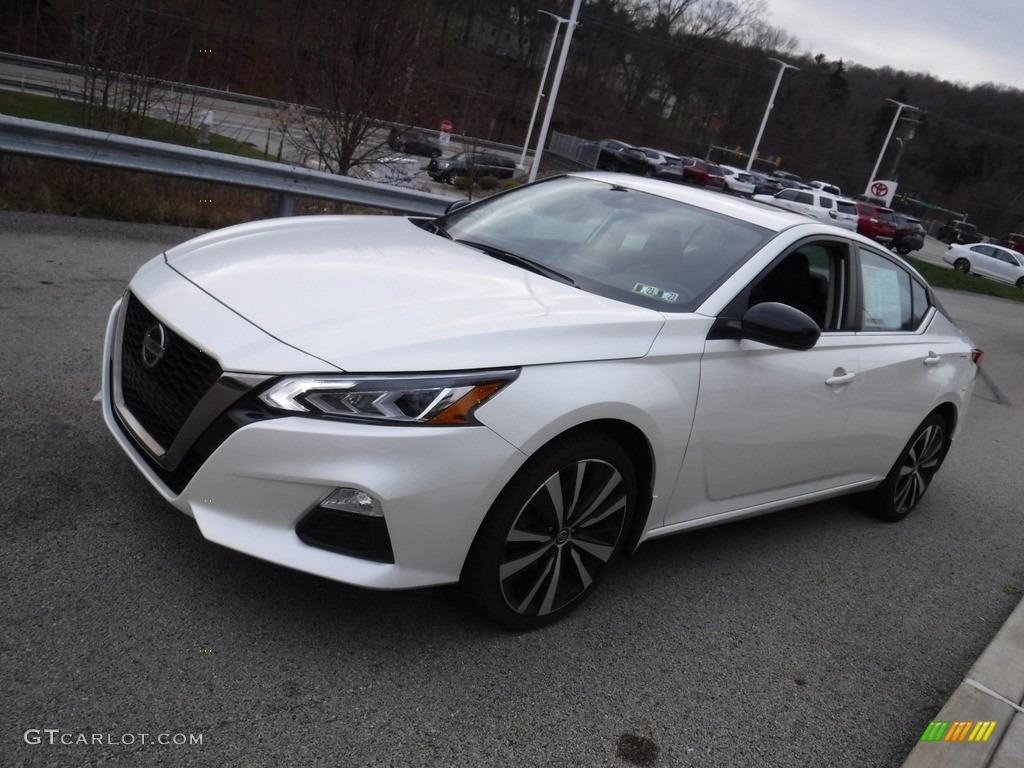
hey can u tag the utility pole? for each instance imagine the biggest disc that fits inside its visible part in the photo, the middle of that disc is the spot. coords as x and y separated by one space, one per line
542 137
559 21
900 106
771 103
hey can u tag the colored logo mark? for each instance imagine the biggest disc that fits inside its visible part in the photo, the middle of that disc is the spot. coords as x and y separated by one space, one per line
959 730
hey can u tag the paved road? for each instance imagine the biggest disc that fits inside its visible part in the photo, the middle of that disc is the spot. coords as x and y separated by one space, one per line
815 637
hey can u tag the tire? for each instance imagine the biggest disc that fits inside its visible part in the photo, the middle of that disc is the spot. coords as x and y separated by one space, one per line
550 535
912 473
1020 283
435 153
962 265
903 250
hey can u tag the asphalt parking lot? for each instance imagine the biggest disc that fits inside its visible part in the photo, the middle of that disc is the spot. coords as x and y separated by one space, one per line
814 637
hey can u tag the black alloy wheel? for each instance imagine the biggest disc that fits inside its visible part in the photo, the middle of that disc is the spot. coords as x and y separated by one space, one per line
912 473
962 265
548 539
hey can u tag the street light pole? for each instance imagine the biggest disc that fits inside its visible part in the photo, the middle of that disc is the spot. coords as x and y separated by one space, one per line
542 137
896 118
783 66
559 21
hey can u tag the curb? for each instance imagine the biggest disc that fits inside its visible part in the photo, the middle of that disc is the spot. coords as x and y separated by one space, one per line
992 692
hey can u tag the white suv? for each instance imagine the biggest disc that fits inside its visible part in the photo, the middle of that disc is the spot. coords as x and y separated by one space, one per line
738 181
817 204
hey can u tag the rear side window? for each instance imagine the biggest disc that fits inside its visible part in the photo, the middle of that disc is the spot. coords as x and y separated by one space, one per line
891 298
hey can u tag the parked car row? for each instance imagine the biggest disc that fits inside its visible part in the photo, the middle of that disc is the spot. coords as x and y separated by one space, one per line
818 199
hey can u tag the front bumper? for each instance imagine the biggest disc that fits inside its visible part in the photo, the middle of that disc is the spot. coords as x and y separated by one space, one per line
435 484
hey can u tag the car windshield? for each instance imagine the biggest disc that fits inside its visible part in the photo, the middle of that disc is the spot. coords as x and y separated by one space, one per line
610 240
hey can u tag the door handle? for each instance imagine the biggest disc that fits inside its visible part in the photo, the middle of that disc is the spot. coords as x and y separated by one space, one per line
932 359
839 378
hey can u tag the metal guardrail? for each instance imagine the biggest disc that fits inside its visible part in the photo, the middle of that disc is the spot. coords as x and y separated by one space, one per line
58 142
199 91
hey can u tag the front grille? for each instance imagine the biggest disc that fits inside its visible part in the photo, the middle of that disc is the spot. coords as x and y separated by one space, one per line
246 411
162 398
347 533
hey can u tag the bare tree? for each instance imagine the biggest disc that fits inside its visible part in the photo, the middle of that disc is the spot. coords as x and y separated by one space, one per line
355 74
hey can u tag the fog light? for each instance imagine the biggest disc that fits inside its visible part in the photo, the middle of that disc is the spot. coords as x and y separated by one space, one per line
353 500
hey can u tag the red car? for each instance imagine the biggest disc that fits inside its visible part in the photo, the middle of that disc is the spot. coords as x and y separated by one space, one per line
876 222
1015 241
697 171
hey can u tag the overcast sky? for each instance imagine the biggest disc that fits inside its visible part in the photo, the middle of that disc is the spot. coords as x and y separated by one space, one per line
962 41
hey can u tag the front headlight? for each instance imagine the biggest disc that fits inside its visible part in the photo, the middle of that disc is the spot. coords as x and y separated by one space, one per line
448 399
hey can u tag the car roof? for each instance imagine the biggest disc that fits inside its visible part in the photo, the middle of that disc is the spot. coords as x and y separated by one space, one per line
768 217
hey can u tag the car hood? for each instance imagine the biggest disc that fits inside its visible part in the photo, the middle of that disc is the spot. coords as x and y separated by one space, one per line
380 294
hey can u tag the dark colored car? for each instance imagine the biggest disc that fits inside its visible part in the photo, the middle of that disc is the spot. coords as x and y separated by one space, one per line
876 222
413 142
909 234
476 165
703 173
615 155
787 176
960 232
764 185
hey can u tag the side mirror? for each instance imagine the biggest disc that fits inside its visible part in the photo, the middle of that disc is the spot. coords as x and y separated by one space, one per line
454 206
779 325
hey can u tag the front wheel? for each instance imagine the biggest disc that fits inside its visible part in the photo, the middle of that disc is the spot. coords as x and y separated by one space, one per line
962 265
1020 283
550 535
912 473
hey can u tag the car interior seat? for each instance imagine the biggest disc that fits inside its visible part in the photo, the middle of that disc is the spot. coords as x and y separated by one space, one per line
792 283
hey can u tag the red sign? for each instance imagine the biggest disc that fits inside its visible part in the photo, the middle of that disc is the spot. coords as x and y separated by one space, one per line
878 189
446 126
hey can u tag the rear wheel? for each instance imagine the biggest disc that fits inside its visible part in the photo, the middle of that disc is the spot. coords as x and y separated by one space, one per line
548 539
962 265
912 473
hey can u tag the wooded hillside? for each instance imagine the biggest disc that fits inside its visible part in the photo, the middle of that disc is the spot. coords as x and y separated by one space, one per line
679 75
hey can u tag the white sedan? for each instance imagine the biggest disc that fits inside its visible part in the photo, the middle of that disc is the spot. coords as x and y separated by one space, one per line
995 261
513 393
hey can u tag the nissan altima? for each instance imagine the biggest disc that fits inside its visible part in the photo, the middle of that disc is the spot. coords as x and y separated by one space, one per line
514 393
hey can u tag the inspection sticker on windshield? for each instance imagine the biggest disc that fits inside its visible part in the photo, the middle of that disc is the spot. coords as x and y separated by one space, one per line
654 292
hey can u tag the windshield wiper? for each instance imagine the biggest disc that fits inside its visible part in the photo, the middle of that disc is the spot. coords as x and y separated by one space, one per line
521 261
437 229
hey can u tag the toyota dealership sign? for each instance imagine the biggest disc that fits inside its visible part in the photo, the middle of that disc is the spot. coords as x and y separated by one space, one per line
882 189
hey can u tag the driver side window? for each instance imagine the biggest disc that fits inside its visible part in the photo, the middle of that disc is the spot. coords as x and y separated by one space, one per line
809 278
